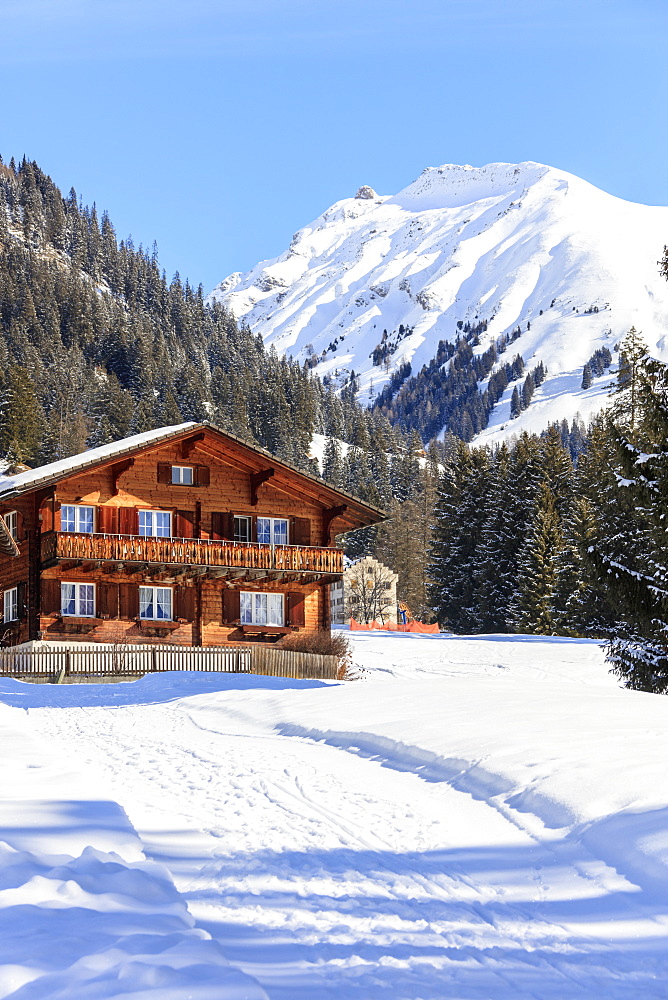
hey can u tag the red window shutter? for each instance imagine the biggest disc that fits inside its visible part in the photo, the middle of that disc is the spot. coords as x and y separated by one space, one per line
201 475
301 531
128 521
21 532
107 599
47 517
222 526
295 604
129 599
184 524
164 472
107 520
56 518
231 607
50 596
184 603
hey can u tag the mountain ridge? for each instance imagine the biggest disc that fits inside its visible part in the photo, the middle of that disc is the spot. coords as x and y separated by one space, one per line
508 246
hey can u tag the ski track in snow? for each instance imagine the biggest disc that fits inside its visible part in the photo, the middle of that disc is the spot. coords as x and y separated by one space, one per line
330 865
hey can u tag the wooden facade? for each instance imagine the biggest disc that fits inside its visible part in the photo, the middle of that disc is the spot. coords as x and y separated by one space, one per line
187 535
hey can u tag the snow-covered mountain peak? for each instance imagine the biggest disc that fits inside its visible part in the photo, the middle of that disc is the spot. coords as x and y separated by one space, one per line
452 185
377 281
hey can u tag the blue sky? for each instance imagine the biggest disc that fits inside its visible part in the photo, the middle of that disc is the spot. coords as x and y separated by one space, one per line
219 128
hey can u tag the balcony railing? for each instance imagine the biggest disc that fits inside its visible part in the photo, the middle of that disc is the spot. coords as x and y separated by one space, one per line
189 552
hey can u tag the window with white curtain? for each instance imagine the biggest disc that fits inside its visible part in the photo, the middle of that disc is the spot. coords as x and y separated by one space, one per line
155 603
80 519
11 605
156 523
272 530
77 599
11 520
261 609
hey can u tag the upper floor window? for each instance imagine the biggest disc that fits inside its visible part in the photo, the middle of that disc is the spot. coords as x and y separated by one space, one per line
11 520
155 603
261 609
77 599
272 530
157 523
79 519
10 609
183 474
242 529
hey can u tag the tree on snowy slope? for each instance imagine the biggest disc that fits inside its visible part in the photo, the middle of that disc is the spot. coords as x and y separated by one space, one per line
630 553
459 516
532 608
580 607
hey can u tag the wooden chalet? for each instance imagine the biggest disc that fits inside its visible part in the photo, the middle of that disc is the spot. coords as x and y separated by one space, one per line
184 534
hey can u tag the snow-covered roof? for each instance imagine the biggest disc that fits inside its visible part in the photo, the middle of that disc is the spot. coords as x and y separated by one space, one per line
12 485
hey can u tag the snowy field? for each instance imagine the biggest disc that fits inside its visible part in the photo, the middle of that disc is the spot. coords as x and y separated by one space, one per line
474 819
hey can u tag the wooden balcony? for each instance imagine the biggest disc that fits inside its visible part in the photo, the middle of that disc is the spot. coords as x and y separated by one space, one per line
193 552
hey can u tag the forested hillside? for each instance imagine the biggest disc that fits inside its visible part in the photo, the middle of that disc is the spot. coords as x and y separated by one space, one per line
548 539
96 344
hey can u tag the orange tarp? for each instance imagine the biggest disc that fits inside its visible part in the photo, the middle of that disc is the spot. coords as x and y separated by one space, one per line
391 627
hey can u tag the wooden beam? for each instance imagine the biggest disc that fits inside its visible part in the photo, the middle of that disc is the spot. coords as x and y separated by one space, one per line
189 443
328 515
256 480
117 469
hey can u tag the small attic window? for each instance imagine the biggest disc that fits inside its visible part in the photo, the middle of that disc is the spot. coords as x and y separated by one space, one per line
183 474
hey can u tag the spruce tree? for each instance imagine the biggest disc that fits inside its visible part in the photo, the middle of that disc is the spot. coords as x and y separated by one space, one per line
630 553
533 605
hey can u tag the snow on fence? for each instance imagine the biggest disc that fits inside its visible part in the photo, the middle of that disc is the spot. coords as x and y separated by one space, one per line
136 660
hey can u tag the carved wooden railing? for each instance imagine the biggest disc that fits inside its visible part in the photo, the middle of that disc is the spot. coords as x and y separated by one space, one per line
189 552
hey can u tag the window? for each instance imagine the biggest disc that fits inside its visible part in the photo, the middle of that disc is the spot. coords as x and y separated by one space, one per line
261 609
11 605
77 599
242 529
157 523
272 530
155 603
76 518
182 474
12 525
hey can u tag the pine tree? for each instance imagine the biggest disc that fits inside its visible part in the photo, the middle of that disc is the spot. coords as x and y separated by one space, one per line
629 556
21 418
533 605
626 391
459 515
332 463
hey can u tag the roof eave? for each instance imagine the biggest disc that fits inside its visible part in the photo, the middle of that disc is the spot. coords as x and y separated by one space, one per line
366 509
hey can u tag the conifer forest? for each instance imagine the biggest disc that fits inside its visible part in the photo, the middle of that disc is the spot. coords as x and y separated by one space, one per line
562 533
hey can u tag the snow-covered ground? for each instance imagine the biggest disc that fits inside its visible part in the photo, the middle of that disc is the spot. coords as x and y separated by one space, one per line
474 819
515 244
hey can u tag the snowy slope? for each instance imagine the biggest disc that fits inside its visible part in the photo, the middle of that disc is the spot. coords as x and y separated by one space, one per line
83 913
500 243
477 818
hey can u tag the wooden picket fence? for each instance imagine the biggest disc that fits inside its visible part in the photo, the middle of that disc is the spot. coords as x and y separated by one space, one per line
288 663
123 661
